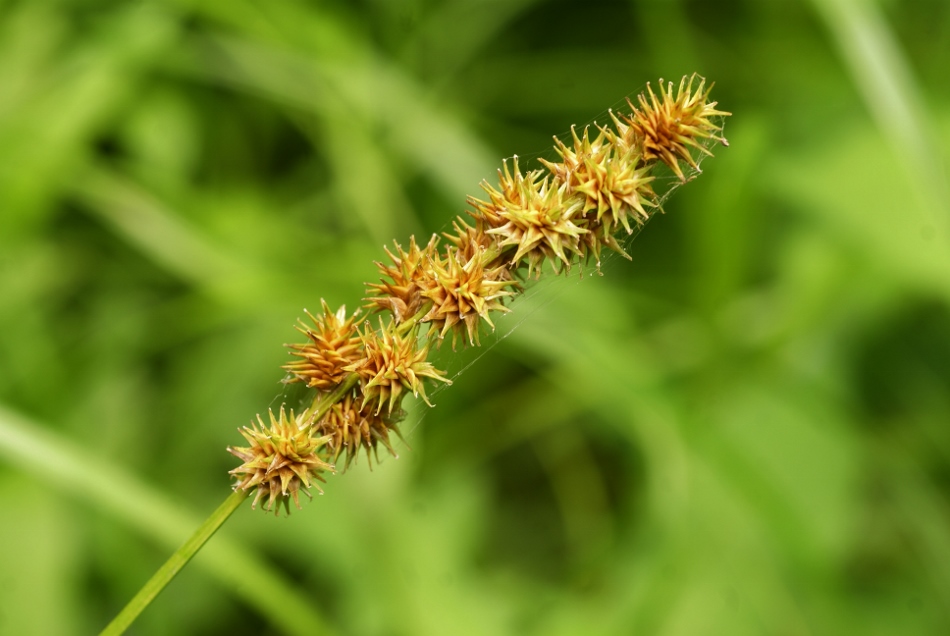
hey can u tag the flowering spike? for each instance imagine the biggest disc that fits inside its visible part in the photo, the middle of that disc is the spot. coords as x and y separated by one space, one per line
565 213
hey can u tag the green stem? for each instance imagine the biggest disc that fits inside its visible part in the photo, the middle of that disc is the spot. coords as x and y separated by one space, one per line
324 401
413 320
174 564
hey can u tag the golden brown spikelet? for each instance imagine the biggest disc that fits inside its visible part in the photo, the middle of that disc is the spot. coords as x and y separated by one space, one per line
281 458
334 344
351 426
399 290
392 364
671 126
512 190
531 213
464 292
612 181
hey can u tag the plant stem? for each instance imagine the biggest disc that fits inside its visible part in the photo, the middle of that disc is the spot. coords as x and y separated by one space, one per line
174 564
205 531
324 401
413 320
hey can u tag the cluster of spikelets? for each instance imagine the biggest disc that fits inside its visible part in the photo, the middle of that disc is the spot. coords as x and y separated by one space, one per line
563 214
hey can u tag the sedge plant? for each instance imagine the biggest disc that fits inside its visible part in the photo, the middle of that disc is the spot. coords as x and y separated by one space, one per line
359 367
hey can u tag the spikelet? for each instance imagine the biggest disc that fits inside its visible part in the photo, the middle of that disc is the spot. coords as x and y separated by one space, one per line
392 364
333 345
351 426
282 459
613 184
464 292
408 277
670 126
531 213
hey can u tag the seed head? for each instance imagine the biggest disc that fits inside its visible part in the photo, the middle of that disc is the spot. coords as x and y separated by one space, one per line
464 293
392 363
532 213
281 457
351 426
671 125
564 213
613 181
400 289
513 191
615 189
333 345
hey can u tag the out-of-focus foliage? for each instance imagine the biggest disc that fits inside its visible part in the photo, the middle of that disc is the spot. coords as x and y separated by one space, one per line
746 430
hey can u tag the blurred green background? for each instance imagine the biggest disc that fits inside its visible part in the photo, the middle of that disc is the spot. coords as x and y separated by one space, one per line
746 430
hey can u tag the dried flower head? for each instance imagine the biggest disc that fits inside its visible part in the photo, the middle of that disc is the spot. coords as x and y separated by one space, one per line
407 278
671 125
614 184
531 213
392 364
615 188
334 344
351 426
281 458
464 293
